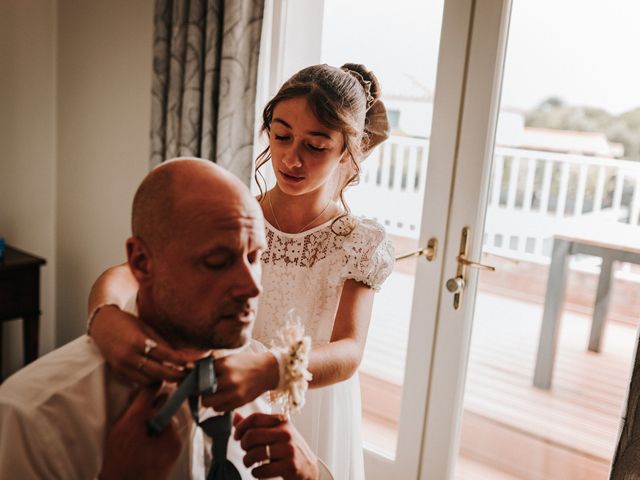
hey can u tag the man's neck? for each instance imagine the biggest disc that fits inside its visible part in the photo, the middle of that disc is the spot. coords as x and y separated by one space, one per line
147 315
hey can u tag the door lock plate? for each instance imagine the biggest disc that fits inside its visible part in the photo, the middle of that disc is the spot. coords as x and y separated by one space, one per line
456 284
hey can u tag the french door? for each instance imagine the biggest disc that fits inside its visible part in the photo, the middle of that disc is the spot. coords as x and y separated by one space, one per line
425 184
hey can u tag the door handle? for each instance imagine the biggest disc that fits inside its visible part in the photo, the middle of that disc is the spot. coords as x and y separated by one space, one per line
465 261
429 252
456 284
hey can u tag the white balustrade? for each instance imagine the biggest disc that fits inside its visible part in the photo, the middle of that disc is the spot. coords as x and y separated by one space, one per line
391 187
531 194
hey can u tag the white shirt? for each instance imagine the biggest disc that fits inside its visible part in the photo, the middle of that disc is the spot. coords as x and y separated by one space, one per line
56 412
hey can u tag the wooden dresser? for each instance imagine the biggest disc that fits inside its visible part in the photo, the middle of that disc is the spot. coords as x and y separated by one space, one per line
20 297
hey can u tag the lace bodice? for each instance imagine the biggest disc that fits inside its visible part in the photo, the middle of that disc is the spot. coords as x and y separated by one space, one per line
306 272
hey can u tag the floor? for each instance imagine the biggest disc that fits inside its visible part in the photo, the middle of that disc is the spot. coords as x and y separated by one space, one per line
567 432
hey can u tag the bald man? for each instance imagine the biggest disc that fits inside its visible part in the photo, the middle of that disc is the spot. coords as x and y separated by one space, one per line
195 248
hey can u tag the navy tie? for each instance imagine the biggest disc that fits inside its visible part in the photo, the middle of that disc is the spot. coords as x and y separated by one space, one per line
219 429
201 381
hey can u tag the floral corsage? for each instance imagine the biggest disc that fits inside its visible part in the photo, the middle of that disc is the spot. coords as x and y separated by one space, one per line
293 359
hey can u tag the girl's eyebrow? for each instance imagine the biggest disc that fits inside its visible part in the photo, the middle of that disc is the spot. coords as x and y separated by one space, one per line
279 120
321 134
314 133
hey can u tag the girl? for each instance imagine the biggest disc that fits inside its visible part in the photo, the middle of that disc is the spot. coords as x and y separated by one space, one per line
320 261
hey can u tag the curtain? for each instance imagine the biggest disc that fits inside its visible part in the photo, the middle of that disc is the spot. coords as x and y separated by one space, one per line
205 62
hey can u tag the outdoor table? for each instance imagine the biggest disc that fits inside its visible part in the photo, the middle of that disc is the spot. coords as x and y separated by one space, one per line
613 242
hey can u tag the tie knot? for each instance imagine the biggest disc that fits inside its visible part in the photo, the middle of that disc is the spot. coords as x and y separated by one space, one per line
218 426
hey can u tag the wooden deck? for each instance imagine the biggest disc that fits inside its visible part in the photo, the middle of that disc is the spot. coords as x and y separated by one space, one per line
511 429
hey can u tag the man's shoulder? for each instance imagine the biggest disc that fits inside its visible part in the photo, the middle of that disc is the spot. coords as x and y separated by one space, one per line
58 371
52 415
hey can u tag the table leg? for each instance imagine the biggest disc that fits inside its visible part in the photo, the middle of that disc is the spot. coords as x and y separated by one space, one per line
30 331
602 304
553 300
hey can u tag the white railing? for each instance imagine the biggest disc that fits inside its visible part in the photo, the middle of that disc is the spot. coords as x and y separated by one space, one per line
531 194
392 182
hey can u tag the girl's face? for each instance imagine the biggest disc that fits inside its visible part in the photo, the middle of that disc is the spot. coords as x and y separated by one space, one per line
305 154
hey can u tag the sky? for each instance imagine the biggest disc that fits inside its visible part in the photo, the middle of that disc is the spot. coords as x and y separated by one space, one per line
584 51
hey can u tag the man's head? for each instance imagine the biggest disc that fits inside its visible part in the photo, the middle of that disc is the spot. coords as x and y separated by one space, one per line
195 251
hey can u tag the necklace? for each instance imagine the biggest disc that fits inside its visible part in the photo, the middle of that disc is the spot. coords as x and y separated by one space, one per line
273 214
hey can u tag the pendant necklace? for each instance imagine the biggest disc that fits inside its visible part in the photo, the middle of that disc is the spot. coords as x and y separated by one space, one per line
273 214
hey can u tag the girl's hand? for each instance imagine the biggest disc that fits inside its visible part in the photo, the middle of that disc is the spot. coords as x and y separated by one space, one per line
121 338
242 377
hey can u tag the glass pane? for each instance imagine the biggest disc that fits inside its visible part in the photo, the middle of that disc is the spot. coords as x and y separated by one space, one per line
565 169
391 187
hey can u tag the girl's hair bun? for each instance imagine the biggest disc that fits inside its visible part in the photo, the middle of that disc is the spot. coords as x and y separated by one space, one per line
367 79
376 123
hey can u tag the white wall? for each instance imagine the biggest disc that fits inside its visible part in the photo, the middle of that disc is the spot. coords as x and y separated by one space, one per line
27 155
75 82
104 107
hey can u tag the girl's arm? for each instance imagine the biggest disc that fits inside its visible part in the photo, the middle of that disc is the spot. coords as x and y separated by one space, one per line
121 336
241 377
115 286
121 339
245 376
340 359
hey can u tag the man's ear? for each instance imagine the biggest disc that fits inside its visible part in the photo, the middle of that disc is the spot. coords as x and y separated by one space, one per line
139 259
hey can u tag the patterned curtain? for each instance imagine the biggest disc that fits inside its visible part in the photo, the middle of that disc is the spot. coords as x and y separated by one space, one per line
205 62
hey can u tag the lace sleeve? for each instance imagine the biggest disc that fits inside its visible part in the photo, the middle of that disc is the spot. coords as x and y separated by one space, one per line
369 255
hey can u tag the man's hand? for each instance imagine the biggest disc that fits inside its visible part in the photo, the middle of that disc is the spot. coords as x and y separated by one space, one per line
290 456
130 452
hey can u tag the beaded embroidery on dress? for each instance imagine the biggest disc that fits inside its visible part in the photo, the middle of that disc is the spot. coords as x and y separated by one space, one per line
306 272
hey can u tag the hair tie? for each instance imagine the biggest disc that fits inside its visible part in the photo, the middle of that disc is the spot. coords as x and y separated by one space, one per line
365 84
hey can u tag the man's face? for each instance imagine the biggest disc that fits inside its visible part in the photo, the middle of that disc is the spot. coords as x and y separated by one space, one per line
206 280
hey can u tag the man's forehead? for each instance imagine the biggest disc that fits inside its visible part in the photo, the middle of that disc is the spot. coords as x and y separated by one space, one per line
236 221
235 228
222 215
221 211
245 219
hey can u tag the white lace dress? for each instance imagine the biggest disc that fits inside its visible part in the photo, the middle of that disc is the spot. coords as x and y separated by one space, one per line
306 272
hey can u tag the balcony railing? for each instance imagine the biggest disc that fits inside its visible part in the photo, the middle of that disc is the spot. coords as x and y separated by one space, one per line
392 183
531 194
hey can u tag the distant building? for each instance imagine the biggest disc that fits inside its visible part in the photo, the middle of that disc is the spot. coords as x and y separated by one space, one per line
566 141
409 106
410 109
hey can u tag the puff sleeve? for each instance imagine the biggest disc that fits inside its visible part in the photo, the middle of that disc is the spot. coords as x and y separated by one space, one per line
369 254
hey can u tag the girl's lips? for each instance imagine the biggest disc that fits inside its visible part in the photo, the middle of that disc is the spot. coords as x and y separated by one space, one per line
291 178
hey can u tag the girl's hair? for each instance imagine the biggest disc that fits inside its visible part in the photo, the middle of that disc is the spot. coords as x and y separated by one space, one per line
346 99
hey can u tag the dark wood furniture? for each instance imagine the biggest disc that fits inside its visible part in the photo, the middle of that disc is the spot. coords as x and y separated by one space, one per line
20 297
626 459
